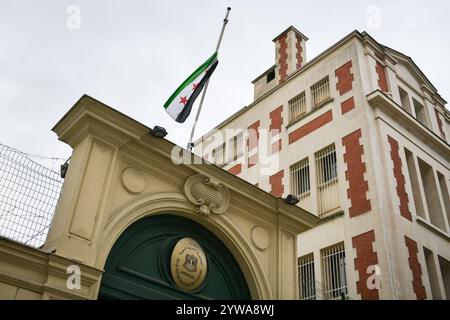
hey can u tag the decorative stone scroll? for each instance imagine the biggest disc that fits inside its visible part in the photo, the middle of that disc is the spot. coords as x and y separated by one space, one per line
209 195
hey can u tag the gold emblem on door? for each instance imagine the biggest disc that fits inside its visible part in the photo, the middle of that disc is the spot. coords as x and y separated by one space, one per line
188 264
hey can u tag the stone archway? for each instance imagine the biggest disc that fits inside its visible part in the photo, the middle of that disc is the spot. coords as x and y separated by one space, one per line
138 266
120 175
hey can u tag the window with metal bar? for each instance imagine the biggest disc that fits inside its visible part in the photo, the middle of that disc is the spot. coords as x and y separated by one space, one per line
239 147
300 184
320 92
306 278
236 147
334 280
219 154
327 181
297 107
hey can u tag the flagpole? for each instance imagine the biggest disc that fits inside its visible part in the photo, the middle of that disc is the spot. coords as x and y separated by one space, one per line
191 143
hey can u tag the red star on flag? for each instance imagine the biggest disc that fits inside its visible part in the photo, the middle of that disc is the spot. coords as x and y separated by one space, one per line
183 100
194 86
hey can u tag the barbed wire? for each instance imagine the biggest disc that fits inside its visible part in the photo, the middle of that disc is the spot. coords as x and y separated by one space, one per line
29 193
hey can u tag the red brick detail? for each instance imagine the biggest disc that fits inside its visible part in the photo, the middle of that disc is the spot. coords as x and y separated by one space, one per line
276 146
356 168
276 123
252 160
276 184
382 82
400 179
283 57
298 45
439 122
252 142
345 78
365 257
311 126
276 119
347 105
416 269
235 169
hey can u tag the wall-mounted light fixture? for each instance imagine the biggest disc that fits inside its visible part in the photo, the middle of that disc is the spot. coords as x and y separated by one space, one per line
291 199
158 132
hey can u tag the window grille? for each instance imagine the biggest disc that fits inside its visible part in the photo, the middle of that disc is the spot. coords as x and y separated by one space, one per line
239 145
306 278
320 92
327 181
334 280
300 183
219 154
297 107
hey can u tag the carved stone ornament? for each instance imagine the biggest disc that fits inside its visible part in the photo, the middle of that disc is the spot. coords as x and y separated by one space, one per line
209 195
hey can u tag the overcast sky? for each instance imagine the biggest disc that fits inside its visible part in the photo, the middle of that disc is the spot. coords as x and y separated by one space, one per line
133 54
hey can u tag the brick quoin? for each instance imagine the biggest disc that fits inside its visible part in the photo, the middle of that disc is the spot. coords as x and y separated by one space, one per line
439 122
298 45
311 126
235 169
356 168
276 122
276 184
283 57
365 257
382 82
345 78
252 142
400 179
347 105
416 269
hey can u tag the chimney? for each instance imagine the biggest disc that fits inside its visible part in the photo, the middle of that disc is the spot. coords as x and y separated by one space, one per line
290 52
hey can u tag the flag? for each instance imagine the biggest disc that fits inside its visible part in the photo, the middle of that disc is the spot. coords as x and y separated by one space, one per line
179 105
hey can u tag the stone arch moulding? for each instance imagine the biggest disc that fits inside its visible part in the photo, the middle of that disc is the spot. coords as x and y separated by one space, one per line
174 203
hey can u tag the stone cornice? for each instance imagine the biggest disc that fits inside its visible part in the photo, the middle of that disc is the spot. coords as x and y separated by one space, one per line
380 100
45 272
90 116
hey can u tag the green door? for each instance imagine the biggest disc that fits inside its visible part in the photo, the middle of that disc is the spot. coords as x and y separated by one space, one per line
139 264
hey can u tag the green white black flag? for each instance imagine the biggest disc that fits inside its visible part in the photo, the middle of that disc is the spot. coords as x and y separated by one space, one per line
179 105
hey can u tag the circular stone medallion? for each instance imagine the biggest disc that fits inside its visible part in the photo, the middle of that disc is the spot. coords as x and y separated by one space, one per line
133 180
188 264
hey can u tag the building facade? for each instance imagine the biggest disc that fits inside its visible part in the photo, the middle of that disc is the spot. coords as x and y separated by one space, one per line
361 137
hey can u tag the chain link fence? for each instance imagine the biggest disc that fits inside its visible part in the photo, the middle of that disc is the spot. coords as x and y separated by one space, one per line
29 193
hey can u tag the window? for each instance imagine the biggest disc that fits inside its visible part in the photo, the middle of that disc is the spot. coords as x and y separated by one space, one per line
420 113
219 154
270 76
404 100
445 272
320 92
432 274
334 281
431 195
297 107
327 181
445 196
239 145
300 184
306 278
414 180
236 147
